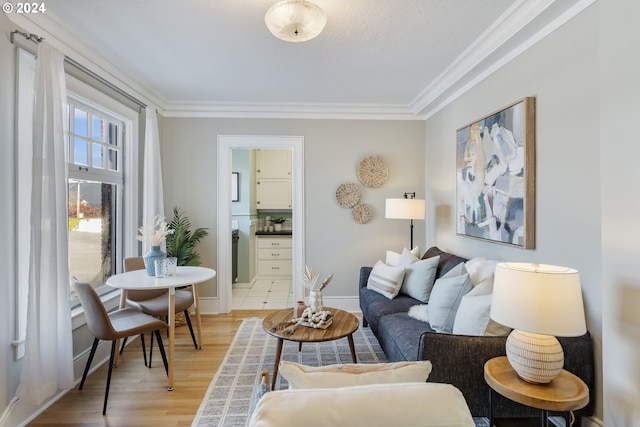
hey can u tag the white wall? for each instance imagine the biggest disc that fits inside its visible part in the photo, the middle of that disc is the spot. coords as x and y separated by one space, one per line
333 148
620 152
587 155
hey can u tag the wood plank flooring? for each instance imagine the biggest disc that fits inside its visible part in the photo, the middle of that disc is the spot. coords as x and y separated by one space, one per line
138 395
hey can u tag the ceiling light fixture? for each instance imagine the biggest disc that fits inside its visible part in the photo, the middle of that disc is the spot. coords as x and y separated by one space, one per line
295 20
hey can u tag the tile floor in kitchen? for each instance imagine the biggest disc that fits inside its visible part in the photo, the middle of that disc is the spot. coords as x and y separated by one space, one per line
263 295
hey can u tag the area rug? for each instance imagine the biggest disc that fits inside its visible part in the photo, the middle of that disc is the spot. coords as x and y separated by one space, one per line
227 402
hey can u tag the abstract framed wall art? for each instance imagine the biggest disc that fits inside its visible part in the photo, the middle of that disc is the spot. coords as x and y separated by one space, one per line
495 168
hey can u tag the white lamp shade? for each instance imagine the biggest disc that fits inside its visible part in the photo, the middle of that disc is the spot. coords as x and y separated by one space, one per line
295 20
538 298
404 209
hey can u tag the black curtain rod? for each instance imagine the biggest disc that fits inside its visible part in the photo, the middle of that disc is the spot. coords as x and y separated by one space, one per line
37 39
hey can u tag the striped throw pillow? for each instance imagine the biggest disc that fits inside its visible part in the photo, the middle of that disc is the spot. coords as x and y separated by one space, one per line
385 280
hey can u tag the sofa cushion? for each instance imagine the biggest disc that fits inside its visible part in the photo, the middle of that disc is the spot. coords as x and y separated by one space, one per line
447 260
445 300
374 306
332 376
393 258
419 276
399 336
371 405
385 279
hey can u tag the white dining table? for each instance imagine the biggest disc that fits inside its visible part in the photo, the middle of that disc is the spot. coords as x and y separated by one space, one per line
185 275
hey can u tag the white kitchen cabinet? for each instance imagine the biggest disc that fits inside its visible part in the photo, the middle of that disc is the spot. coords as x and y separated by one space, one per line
273 179
274 257
273 164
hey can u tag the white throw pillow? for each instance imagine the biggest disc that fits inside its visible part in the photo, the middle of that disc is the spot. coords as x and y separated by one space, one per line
420 312
333 376
419 275
385 279
481 270
445 299
401 404
393 258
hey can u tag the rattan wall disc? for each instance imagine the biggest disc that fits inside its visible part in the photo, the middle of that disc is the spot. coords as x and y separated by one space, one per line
373 171
362 213
348 194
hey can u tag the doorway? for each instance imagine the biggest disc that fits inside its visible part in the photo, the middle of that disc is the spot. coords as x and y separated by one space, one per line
226 145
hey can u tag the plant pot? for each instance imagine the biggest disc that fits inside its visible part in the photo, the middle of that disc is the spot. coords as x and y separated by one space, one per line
150 257
277 227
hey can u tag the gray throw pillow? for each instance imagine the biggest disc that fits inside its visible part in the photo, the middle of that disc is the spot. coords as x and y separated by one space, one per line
445 300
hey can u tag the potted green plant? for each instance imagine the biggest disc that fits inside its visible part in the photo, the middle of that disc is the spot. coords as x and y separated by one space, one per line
277 222
181 244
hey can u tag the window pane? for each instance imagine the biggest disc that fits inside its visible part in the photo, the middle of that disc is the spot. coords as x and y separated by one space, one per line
113 160
80 151
98 128
91 230
80 122
113 134
96 158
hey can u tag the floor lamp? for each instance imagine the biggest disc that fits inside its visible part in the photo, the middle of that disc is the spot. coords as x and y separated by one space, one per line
408 207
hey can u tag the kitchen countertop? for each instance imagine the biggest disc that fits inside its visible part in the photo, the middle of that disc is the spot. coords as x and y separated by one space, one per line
274 233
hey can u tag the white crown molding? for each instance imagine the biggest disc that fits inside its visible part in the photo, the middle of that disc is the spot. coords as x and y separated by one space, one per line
53 30
290 110
556 23
506 26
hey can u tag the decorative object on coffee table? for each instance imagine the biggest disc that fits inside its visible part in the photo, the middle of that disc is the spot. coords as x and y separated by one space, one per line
373 171
362 213
310 281
495 166
348 194
539 302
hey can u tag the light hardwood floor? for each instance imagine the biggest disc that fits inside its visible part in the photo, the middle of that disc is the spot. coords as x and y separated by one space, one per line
138 395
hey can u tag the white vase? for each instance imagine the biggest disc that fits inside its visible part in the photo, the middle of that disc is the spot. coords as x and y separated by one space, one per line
315 301
277 226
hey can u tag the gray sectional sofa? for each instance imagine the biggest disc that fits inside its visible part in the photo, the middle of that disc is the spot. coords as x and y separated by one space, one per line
457 359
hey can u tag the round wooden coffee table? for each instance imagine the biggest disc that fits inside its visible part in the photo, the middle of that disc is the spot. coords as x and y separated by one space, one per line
344 325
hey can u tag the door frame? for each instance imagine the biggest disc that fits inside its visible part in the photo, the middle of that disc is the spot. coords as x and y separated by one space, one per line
226 143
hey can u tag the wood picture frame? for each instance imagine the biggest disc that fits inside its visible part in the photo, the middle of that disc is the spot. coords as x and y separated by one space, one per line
495 176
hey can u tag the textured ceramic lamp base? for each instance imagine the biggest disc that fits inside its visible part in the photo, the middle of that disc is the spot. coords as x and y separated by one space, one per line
536 358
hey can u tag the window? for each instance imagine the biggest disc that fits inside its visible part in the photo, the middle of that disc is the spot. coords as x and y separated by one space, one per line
96 139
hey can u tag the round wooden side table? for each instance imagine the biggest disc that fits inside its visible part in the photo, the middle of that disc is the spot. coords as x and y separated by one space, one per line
344 325
565 393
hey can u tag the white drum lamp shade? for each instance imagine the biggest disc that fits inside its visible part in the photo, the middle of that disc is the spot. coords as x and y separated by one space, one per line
539 302
295 20
405 208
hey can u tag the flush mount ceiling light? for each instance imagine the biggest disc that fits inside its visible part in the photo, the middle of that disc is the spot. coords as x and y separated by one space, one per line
295 20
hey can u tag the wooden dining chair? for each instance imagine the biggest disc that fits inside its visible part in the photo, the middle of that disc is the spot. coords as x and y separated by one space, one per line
155 302
113 326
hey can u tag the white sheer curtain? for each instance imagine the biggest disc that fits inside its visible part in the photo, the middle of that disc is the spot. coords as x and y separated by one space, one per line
152 199
48 363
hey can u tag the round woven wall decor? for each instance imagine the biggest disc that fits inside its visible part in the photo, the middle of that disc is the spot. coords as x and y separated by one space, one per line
348 194
362 213
373 171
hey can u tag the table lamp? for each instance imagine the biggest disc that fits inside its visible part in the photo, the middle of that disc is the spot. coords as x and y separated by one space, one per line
539 302
407 207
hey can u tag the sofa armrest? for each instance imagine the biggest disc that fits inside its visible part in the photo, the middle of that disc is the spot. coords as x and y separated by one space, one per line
364 276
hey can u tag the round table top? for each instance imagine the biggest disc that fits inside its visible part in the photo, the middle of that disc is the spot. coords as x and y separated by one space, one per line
564 393
140 280
344 324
